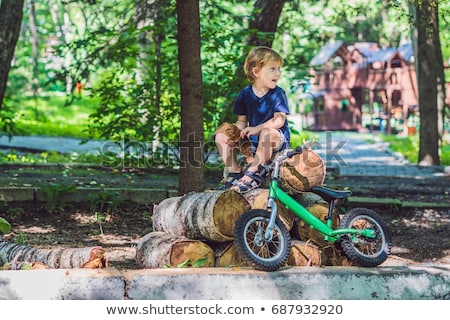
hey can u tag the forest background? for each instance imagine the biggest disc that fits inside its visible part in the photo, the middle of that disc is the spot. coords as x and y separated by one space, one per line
116 69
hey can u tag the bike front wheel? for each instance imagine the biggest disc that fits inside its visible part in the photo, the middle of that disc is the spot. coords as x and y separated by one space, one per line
251 243
364 251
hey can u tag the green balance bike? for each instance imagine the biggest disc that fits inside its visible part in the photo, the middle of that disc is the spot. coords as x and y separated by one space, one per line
264 242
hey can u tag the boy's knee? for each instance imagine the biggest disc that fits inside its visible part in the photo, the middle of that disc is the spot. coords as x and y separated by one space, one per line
269 134
220 137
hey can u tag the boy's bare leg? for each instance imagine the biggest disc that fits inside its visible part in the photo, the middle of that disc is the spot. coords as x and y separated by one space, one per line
269 140
227 153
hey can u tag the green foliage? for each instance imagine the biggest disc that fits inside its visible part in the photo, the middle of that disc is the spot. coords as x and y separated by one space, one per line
125 110
55 193
105 201
19 238
8 120
102 204
189 264
5 227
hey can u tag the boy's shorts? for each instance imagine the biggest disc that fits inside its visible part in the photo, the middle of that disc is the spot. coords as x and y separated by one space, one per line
246 146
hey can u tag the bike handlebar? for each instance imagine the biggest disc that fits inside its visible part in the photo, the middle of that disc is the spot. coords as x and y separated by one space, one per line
266 168
298 150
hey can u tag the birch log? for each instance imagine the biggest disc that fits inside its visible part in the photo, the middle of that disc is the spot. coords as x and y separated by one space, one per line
304 254
227 255
331 255
209 215
57 258
319 208
302 172
159 249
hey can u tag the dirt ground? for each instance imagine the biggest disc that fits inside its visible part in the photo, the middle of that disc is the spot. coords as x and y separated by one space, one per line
420 235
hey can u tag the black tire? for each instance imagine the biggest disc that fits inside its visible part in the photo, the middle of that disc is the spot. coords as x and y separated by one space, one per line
265 255
362 251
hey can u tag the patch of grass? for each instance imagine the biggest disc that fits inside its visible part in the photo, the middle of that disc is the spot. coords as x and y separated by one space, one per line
49 157
298 138
409 148
50 116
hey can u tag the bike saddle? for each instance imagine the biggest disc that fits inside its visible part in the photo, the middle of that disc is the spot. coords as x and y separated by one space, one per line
331 194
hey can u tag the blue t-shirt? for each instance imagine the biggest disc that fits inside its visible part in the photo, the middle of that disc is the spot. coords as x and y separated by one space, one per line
259 110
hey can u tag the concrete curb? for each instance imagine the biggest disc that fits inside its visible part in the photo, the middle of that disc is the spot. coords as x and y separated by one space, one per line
144 196
392 202
9 194
298 283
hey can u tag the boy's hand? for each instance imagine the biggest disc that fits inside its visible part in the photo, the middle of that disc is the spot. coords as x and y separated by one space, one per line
249 131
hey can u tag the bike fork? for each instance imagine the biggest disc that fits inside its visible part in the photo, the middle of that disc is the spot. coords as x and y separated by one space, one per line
273 215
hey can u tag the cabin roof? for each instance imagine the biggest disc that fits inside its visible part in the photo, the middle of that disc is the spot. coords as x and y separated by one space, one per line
325 54
369 50
382 55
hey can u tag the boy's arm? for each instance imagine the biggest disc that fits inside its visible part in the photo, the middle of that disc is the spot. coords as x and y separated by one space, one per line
278 120
242 121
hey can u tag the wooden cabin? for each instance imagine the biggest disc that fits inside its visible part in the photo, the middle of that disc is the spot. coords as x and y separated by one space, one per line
350 82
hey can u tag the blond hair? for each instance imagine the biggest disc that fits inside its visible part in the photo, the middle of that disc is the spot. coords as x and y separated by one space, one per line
257 58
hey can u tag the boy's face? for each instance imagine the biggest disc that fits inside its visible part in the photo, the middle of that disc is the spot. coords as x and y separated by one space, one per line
269 74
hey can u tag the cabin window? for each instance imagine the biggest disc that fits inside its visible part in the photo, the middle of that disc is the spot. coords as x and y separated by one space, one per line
396 63
344 105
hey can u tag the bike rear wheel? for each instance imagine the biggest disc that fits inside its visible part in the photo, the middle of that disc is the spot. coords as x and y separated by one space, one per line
364 251
249 237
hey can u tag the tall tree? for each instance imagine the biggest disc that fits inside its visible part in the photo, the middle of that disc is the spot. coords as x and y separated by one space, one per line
430 79
11 12
264 22
191 134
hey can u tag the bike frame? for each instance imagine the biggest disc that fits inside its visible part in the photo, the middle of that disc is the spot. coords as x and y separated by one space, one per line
330 234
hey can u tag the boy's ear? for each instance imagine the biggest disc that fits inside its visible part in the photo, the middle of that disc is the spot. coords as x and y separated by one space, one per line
255 71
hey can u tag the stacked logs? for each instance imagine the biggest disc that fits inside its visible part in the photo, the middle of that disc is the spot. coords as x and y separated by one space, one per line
199 227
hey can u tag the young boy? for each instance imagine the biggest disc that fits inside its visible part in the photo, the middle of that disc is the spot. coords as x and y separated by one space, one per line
261 110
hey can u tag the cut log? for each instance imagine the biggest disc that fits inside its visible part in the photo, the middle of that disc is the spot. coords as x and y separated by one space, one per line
158 250
209 215
257 198
302 172
319 208
227 255
333 256
304 254
56 258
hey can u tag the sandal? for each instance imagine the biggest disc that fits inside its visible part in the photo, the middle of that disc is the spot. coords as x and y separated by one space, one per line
231 180
243 187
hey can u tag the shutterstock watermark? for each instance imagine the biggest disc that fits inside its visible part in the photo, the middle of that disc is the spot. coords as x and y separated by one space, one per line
150 154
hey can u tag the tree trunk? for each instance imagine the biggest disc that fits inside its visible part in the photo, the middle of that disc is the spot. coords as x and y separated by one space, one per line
35 50
430 79
159 250
11 12
191 135
264 22
209 215
58 258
